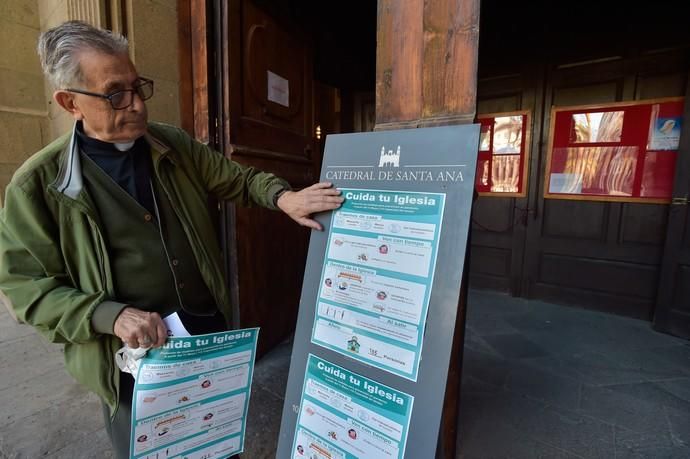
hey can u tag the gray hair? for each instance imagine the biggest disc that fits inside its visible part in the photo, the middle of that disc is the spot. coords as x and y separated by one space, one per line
59 49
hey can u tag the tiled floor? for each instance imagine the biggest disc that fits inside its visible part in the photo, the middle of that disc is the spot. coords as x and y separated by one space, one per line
539 381
546 381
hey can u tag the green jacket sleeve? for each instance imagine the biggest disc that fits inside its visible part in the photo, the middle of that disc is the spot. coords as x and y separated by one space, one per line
229 180
33 274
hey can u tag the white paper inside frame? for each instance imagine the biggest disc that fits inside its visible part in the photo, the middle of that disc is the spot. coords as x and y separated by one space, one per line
278 89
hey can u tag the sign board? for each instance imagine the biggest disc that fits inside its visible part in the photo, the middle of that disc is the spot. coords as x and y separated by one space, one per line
504 144
379 300
191 396
622 152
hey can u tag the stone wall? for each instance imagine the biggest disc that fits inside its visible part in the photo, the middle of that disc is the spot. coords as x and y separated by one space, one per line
154 50
29 118
23 111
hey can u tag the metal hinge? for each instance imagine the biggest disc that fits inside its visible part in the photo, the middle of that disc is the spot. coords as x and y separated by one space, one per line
679 201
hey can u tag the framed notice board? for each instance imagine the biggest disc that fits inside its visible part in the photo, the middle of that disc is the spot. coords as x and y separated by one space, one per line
503 154
380 296
616 152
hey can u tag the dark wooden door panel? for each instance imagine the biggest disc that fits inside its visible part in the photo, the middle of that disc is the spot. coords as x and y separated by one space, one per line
572 244
678 322
499 103
625 253
490 266
582 94
597 275
600 255
573 219
644 224
269 47
659 86
593 254
498 224
274 134
492 243
271 269
495 216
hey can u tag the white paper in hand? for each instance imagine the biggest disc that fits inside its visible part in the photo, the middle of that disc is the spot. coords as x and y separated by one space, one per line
175 326
127 359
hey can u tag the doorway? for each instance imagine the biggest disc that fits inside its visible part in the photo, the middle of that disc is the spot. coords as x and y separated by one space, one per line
599 255
289 73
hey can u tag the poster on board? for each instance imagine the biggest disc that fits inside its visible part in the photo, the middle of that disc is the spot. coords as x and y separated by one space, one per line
380 295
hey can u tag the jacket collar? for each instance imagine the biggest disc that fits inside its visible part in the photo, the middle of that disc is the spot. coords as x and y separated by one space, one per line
70 180
159 149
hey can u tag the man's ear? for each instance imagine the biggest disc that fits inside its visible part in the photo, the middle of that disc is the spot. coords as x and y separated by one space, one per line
66 100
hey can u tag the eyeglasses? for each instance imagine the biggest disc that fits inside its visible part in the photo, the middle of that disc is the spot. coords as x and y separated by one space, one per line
123 98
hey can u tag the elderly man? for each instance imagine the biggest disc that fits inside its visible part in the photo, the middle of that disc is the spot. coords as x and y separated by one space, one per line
106 230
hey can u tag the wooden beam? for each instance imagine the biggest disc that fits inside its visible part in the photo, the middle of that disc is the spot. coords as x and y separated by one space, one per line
449 77
184 42
426 63
399 61
426 75
200 68
193 40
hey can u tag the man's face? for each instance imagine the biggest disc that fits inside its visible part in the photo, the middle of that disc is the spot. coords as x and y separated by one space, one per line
105 74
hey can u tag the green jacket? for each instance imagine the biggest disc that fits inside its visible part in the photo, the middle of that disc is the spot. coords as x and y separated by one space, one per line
54 264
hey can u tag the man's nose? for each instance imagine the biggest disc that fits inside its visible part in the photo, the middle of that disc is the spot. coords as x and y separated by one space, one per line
138 103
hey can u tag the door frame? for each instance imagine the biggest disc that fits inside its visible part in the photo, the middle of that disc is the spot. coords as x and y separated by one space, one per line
668 318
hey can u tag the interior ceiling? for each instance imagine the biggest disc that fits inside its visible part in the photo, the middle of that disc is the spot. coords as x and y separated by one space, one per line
343 34
512 33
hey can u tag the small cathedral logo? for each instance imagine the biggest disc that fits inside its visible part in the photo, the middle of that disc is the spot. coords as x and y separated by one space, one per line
389 158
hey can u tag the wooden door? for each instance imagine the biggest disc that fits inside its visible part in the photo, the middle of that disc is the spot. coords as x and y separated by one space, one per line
499 223
672 313
266 122
600 255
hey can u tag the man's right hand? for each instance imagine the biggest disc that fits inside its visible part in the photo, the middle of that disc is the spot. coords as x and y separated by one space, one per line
137 328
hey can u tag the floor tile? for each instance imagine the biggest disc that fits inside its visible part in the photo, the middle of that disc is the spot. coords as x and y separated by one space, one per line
622 410
545 387
653 393
678 387
515 346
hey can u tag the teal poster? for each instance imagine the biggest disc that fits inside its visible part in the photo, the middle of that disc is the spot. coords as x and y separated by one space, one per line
344 415
192 395
377 277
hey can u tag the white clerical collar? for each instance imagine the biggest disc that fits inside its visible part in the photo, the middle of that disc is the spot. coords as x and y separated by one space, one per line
124 146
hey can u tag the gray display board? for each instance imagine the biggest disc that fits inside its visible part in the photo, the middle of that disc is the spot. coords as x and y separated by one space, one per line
379 300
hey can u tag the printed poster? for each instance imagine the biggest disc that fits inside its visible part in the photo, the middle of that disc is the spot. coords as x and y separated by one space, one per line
191 397
664 131
344 415
377 277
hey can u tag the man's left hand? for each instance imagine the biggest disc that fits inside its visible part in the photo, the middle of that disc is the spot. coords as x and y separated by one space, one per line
300 205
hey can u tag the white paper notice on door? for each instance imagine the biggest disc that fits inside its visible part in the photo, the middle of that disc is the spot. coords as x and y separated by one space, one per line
278 89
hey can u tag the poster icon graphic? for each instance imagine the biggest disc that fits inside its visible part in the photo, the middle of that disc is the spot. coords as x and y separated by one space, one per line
353 345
